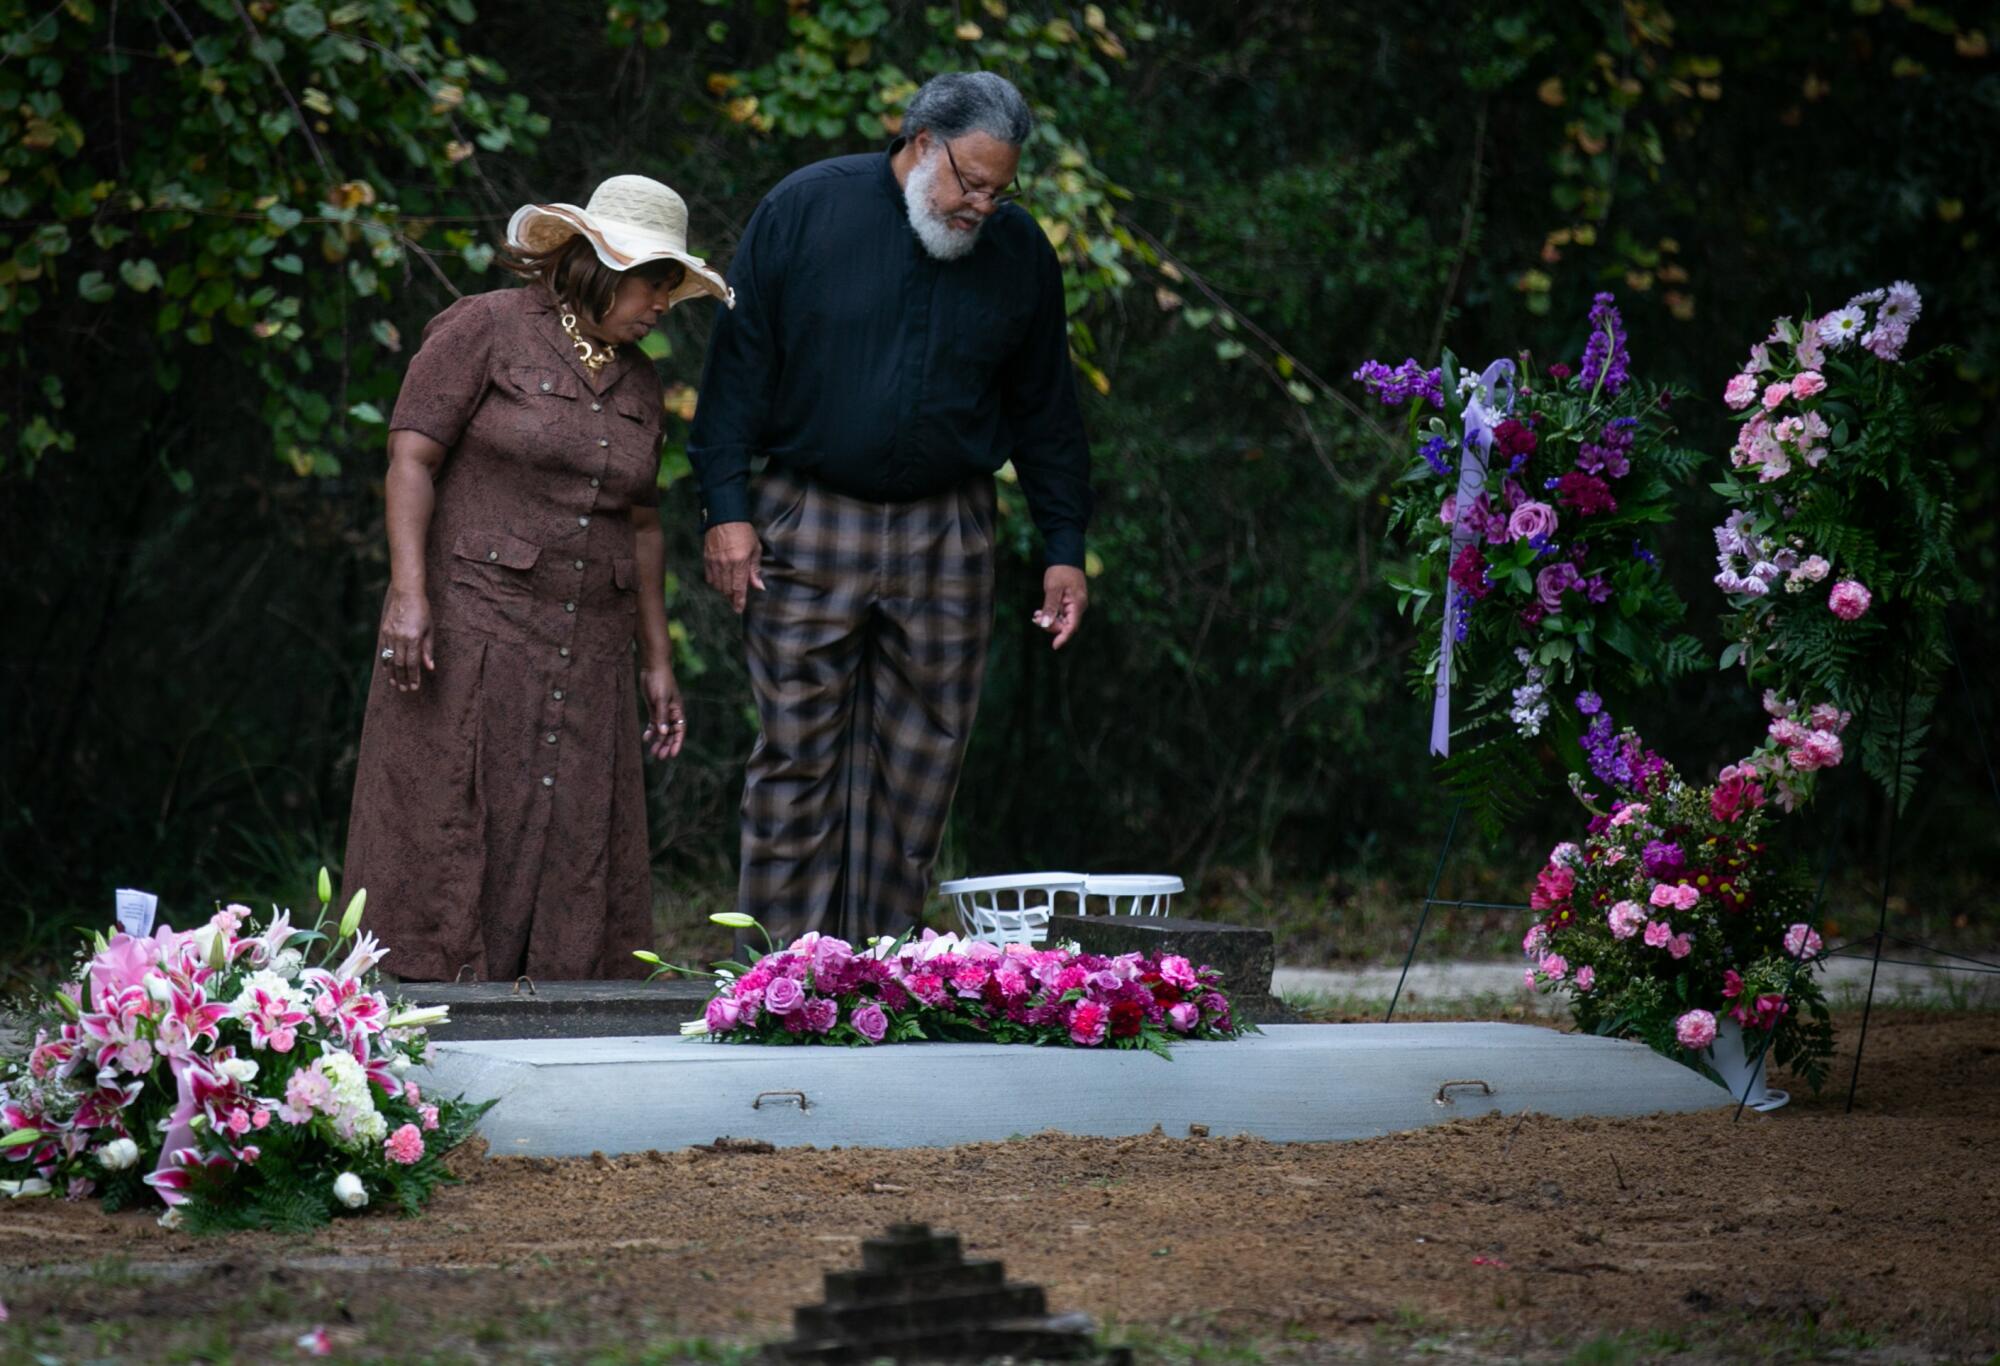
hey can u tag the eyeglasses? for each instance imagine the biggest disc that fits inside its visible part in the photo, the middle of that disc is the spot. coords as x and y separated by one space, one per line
1008 194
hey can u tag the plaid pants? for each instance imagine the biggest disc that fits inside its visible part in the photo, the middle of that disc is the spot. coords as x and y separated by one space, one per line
867 649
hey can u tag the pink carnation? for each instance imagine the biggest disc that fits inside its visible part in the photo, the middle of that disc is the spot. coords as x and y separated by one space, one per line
1625 919
1555 967
1849 600
1802 941
404 1146
1586 977
428 1115
1177 971
1681 945
1740 392
821 1013
1774 394
1807 383
1088 1021
1696 1029
1658 933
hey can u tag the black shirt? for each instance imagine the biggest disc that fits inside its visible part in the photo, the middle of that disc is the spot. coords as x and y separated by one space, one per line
857 358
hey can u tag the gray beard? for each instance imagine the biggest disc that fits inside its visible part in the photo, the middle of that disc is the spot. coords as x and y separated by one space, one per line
939 238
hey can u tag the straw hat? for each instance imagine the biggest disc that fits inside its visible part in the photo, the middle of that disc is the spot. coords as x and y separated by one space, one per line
629 221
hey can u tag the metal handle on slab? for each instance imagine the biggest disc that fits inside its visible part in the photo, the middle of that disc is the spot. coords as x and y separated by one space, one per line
1443 1099
779 1097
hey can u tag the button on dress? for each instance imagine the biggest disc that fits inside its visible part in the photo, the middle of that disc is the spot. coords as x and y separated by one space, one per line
499 815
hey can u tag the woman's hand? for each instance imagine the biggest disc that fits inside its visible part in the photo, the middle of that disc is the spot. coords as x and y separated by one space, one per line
668 728
404 646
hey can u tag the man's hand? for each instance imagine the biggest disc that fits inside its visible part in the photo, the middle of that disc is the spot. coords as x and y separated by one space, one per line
731 555
1065 595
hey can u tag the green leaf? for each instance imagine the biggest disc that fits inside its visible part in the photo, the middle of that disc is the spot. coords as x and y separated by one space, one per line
284 217
94 287
305 20
140 275
368 413
289 263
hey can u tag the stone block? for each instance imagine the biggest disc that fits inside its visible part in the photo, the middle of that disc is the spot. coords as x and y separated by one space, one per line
1245 955
561 1010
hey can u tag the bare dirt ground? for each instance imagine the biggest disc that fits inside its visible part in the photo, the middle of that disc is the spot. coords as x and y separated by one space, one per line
1802 1235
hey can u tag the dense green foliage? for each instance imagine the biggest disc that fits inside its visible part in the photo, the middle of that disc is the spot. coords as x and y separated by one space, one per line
225 223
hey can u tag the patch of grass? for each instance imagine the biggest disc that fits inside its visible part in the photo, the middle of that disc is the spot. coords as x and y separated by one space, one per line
1174 1346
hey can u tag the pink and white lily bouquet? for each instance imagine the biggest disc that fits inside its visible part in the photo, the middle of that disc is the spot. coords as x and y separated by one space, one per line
818 989
244 1074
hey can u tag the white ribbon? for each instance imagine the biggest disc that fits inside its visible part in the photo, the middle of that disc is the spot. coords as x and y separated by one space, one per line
1480 416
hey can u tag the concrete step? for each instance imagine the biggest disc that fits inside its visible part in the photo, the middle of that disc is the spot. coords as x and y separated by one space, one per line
562 1097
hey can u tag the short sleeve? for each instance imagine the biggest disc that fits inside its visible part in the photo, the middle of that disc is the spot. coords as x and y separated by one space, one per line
447 377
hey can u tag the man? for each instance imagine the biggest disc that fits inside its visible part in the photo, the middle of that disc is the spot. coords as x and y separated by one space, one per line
898 336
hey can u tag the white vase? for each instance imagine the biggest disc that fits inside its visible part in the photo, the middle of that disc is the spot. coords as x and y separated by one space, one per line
1731 1062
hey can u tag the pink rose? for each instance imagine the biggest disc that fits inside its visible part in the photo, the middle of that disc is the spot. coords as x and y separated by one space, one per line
1681 945
1183 1016
1807 383
1774 394
1802 941
1658 934
1586 977
1849 600
783 996
1448 509
870 1023
1696 1029
1740 392
1531 519
722 1014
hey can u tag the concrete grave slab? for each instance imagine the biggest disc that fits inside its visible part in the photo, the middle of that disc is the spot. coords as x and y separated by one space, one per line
1293 1083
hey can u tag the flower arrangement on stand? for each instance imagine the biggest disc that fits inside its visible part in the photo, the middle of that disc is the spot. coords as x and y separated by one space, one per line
819 989
1673 914
245 1074
1530 522
1836 554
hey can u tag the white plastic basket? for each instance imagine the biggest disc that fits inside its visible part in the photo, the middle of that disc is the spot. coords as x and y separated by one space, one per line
1011 908
1130 893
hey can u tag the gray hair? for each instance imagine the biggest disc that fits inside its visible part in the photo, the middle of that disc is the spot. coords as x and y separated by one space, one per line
961 102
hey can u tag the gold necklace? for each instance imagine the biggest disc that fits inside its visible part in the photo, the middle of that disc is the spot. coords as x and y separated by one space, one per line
593 358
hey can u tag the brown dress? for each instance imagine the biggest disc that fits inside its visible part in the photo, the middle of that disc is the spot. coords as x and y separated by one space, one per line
499 818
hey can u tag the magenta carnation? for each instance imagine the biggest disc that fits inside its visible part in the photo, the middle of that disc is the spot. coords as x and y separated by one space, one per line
1696 1029
404 1146
1849 600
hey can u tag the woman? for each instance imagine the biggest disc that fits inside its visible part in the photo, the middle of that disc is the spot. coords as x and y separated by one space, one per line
499 818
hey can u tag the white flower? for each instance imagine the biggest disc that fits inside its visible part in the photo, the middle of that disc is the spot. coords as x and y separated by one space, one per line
399 1062
242 1071
347 1189
1901 306
1839 328
421 1018
118 1154
288 962
24 1190
159 988
172 1218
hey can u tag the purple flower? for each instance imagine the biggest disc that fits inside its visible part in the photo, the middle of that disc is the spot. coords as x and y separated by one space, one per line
1434 451
1662 860
870 1023
1605 361
821 1012
1639 552
1553 582
1398 386
1589 703
783 996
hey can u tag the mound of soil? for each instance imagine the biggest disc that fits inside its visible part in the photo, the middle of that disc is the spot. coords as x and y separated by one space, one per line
1524 1231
